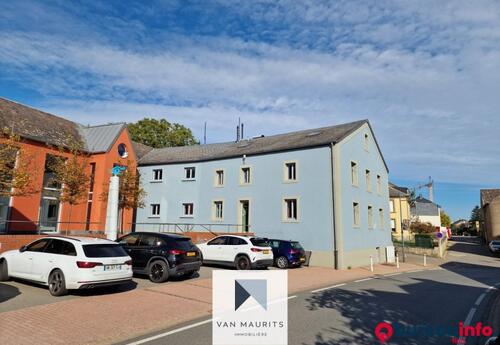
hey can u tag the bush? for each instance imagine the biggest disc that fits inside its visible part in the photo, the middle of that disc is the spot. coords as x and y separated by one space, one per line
422 228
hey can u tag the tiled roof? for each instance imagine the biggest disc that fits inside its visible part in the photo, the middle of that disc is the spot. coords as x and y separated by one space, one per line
487 195
397 192
49 129
281 142
425 207
140 149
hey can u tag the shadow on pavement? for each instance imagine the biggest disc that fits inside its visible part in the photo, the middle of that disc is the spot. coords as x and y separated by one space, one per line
424 302
7 292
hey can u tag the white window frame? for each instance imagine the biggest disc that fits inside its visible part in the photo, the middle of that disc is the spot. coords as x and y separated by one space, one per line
216 177
242 175
153 214
369 211
356 214
154 179
354 173
391 206
368 180
285 203
215 217
381 218
286 165
191 178
379 184
187 215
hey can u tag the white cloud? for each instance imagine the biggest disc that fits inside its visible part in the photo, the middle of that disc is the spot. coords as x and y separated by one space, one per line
425 75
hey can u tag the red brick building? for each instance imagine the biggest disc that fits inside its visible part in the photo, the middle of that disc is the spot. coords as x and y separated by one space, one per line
41 134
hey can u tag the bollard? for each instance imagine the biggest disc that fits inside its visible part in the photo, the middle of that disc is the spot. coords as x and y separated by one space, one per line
397 261
371 263
425 260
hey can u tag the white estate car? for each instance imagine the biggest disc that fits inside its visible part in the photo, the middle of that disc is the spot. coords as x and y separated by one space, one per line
240 251
65 263
495 246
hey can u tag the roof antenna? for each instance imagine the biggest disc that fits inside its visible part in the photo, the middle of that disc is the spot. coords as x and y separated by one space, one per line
238 130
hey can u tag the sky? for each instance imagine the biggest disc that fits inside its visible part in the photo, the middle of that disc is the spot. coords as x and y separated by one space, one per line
425 73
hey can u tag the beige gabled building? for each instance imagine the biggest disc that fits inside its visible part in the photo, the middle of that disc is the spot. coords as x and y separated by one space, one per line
399 207
490 206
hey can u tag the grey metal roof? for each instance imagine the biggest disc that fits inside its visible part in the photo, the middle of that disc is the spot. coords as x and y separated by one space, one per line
397 192
425 207
100 138
37 125
281 142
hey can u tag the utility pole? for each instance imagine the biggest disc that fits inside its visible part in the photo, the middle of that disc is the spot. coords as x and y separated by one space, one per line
402 230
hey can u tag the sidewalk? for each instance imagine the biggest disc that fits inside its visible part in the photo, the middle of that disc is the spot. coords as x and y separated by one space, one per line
112 318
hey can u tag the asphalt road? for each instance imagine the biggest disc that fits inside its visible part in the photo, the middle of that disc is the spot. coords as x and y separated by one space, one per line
435 300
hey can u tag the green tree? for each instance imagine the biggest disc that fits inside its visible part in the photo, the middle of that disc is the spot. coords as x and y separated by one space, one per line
476 215
161 133
445 219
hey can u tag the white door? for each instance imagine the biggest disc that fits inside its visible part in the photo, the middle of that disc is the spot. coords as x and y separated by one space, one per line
214 248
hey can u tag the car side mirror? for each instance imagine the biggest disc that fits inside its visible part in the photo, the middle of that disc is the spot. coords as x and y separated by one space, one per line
23 249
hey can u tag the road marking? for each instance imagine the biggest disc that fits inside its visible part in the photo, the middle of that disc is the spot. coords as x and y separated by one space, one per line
469 317
393 274
480 299
181 329
363 280
327 288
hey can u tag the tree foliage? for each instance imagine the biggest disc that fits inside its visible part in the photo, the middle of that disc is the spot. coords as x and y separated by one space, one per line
422 228
17 167
445 219
161 133
476 215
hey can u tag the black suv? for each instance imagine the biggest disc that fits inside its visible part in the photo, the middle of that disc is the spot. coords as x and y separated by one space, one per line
161 255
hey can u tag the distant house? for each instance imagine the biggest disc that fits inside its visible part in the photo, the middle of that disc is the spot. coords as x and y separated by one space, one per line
41 134
490 206
325 187
399 207
426 211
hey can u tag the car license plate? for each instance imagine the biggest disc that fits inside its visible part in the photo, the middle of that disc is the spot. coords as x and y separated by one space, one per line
266 251
191 254
302 259
112 267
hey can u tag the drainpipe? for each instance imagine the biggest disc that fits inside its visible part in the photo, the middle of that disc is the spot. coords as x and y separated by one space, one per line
335 235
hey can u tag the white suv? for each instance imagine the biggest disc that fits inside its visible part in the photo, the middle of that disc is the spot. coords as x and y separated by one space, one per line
242 252
63 263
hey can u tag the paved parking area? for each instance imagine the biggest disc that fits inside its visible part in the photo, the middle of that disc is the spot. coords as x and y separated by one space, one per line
19 294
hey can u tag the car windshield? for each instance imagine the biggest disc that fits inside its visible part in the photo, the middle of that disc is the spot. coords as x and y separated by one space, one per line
295 245
103 250
259 242
181 243
495 243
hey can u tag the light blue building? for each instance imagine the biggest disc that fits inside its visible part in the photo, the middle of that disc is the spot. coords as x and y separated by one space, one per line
326 187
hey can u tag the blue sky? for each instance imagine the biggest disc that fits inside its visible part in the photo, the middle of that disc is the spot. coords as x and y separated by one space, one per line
425 73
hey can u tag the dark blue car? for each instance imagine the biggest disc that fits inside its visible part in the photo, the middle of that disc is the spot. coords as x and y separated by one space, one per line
287 253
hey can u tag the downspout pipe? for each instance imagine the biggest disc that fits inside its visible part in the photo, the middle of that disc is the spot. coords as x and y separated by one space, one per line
335 235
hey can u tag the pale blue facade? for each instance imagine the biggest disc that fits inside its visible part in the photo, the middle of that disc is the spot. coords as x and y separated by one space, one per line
316 169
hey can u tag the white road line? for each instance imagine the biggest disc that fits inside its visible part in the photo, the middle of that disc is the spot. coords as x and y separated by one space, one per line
393 274
327 288
469 317
480 299
177 330
363 280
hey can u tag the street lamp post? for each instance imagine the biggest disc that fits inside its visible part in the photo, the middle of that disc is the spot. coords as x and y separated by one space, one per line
401 224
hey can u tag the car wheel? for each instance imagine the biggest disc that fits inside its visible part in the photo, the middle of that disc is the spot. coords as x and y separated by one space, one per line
158 271
4 272
242 263
282 262
57 283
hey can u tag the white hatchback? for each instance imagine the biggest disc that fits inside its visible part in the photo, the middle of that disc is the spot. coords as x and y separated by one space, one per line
63 263
240 251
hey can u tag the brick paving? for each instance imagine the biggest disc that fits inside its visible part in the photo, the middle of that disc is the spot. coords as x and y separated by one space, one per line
106 319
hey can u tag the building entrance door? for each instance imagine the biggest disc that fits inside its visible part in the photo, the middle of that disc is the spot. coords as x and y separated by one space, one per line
49 214
245 215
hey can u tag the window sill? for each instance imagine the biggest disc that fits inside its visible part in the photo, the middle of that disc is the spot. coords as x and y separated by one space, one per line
245 184
290 220
188 179
153 216
186 217
290 181
156 181
218 186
